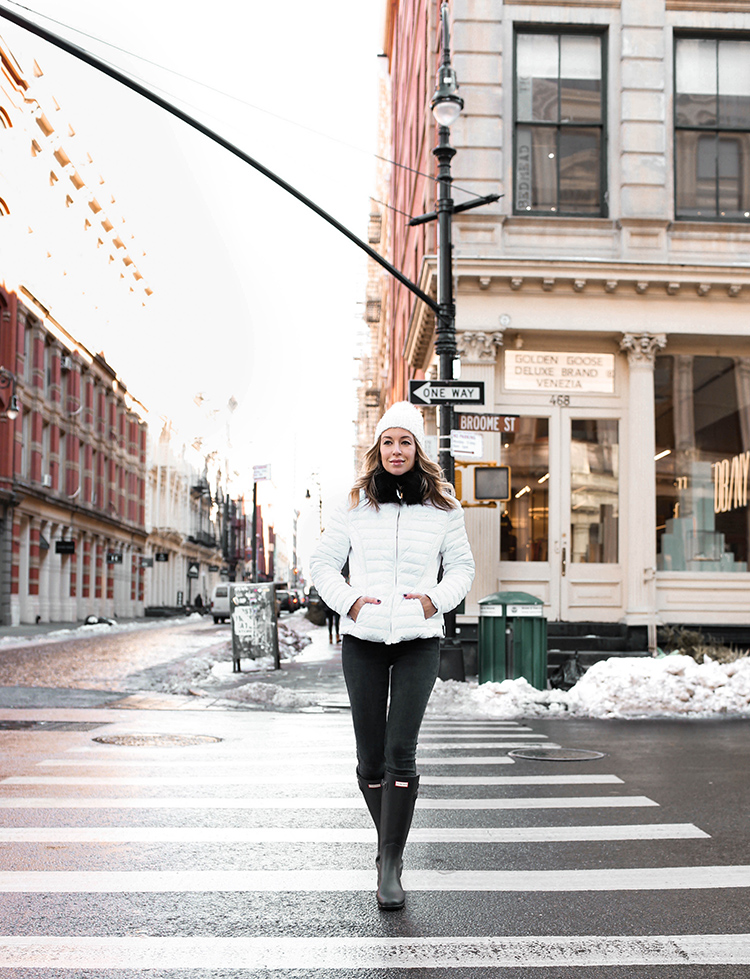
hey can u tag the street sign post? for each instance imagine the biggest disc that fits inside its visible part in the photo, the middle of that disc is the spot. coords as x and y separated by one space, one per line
446 392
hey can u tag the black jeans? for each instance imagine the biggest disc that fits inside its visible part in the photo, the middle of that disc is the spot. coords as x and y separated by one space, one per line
386 733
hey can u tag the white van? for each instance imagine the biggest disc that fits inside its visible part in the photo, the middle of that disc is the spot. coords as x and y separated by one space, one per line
220 603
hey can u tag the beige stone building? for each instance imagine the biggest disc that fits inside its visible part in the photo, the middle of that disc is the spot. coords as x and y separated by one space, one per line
603 301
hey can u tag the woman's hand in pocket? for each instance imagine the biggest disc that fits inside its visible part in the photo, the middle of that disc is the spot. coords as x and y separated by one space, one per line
359 605
427 607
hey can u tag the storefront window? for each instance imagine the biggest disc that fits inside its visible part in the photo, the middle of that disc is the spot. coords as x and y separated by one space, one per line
594 478
702 462
524 525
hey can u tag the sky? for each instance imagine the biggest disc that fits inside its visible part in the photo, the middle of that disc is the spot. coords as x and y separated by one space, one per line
255 298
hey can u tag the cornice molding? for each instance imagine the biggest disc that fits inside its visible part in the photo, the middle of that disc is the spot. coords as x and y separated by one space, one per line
597 277
708 6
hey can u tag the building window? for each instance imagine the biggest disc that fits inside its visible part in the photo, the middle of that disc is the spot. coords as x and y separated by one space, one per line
559 124
524 522
702 463
712 128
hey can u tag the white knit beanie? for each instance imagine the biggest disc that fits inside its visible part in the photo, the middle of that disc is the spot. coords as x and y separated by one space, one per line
404 415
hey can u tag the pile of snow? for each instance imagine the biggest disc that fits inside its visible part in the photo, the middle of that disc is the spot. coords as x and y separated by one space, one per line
624 687
291 641
269 695
223 670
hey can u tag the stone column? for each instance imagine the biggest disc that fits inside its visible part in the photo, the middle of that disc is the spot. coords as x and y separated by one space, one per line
638 491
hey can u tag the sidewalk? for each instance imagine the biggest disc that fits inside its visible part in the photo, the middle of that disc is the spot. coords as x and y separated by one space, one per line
311 679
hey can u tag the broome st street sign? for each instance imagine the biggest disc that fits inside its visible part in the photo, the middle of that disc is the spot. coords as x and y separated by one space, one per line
446 392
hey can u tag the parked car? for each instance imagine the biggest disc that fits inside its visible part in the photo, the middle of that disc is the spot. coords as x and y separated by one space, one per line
287 600
220 603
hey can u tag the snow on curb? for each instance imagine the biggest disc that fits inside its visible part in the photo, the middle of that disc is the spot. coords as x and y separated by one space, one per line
620 687
110 626
269 695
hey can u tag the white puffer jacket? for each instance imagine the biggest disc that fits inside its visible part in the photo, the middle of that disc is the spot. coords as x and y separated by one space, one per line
393 551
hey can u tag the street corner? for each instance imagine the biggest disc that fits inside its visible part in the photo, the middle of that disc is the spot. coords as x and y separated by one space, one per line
309 677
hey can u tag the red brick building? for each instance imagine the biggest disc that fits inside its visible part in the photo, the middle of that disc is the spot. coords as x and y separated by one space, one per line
72 477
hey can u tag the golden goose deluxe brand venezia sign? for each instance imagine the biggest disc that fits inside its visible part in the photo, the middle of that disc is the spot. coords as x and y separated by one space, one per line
541 370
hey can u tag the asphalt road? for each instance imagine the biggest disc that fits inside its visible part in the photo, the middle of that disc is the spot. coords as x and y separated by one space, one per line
252 855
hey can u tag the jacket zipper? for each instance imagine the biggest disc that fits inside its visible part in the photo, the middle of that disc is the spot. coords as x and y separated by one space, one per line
395 574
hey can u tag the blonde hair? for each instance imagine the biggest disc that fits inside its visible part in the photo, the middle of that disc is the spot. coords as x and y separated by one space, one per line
435 490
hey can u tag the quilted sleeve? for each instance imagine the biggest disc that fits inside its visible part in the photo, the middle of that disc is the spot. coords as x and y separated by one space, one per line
327 561
458 565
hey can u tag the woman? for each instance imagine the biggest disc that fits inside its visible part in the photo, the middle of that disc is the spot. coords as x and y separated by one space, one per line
401 527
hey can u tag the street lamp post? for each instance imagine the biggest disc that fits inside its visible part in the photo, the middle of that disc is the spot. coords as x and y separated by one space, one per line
446 107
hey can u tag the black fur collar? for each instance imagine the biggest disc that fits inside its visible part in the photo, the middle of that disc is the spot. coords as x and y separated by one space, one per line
408 488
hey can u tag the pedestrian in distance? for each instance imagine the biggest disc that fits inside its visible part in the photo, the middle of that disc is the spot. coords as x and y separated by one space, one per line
402 526
333 620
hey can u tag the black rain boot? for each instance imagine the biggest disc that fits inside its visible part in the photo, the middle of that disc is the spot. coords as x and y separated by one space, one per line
397 809
372 790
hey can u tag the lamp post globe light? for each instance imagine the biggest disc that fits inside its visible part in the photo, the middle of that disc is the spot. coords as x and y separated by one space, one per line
8 381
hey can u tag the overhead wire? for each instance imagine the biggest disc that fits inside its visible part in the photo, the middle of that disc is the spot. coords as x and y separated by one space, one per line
229 95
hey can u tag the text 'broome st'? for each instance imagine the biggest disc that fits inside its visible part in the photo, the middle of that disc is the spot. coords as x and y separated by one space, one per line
485 423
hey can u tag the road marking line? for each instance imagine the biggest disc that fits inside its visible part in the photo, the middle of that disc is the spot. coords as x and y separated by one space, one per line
282 953
296 881
461 734
235 834
301 778
275 764
294 802
446 720
138 756
521 742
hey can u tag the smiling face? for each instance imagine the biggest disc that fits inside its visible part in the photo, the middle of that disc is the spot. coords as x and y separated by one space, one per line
398 451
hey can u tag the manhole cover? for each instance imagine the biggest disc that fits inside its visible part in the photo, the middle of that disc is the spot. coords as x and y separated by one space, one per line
555 754
156 740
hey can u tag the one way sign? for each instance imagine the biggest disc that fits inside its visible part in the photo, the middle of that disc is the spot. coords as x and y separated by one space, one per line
446 392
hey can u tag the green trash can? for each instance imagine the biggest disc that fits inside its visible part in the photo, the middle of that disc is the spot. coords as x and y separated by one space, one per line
512 638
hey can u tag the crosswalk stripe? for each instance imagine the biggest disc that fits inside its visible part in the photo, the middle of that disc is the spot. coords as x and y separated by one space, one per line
300 778
285 953
237 881
458 722
235 834
474 745
141 757
296 802
517 733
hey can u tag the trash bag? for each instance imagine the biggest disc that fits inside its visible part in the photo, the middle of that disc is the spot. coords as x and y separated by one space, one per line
316 613
567 674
